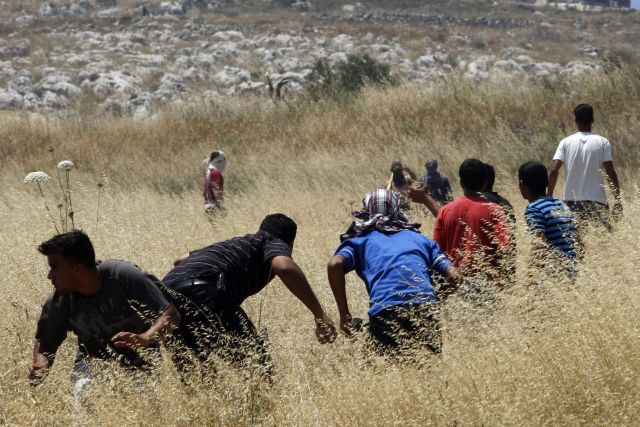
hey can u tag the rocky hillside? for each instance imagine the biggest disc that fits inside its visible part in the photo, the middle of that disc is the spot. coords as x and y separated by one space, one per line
133 57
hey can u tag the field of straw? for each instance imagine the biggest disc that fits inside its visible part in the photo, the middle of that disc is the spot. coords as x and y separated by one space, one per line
555 354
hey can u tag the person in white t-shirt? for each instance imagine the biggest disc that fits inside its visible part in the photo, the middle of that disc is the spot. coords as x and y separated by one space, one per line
584 156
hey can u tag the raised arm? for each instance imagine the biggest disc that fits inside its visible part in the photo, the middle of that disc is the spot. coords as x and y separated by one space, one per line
294 279
411 173
553 176
420 195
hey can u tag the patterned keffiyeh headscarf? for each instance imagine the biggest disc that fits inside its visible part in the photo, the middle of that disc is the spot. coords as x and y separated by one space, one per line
380 211
217 160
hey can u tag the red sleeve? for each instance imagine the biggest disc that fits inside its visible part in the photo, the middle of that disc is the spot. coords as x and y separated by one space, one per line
437 230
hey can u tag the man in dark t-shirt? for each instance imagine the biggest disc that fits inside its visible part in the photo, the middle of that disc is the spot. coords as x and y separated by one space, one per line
103 303
435 183
209 285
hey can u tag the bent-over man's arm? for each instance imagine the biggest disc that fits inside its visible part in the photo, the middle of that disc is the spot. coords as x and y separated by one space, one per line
40 365
145 288
50 333
166 322
336 273
294 279
454 280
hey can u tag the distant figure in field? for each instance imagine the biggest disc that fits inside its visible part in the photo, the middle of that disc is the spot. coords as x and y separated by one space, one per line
550 222
214 281
213 191
103 304
473 232
584 155
436 184
396 263
400 181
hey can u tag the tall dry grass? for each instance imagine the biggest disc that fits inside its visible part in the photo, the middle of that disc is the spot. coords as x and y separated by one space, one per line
549 355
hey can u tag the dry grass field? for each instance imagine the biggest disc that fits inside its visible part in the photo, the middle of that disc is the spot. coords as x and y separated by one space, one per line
556 354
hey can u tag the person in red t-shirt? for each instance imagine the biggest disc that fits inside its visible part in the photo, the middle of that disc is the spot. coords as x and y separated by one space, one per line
213 191
471 231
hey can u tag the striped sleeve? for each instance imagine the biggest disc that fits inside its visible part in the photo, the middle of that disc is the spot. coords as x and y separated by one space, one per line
276 247
535 219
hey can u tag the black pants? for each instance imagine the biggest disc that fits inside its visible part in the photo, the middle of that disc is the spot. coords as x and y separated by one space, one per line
223 330
406 327
591 212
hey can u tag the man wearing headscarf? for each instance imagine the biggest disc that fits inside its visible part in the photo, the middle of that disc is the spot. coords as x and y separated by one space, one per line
396 263
214 181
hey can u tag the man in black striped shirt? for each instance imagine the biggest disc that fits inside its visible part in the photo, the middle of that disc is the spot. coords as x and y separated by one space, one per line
209 285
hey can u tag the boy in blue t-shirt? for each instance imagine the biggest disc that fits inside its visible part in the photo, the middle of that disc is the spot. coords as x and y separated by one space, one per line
395 262
548 218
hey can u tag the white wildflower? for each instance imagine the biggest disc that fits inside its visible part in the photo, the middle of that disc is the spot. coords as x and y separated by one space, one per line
66 165
37 176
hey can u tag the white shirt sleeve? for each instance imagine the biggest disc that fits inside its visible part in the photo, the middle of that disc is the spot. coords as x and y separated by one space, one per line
560 152
606 146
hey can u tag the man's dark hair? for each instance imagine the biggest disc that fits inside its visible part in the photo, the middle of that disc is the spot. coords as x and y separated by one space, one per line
489 176
534 176
280 226
583 114
74 246
472 174
431 164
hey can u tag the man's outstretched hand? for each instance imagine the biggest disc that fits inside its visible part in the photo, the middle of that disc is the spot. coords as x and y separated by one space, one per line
38 370
130 340
350 325
419 194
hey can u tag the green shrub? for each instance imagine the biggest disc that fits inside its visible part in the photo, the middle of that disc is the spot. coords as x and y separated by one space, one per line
347 77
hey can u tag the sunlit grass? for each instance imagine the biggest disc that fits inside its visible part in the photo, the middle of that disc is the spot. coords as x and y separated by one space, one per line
550 355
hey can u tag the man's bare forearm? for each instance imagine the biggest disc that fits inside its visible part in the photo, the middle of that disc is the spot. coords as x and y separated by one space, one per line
335 272
553 179
295 280
166 322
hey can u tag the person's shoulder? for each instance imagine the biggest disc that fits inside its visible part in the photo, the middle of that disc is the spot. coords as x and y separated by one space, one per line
460 201
269 241
118 269
573 137
534 207
601 139
544 204
115 265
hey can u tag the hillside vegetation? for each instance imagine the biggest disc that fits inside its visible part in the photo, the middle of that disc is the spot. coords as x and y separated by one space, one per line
547 355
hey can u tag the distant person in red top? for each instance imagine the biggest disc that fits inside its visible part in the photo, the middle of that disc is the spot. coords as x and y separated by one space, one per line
471 231
214 182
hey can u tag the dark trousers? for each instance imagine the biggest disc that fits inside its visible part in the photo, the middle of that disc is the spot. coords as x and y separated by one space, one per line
590 212
406 327
225 331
